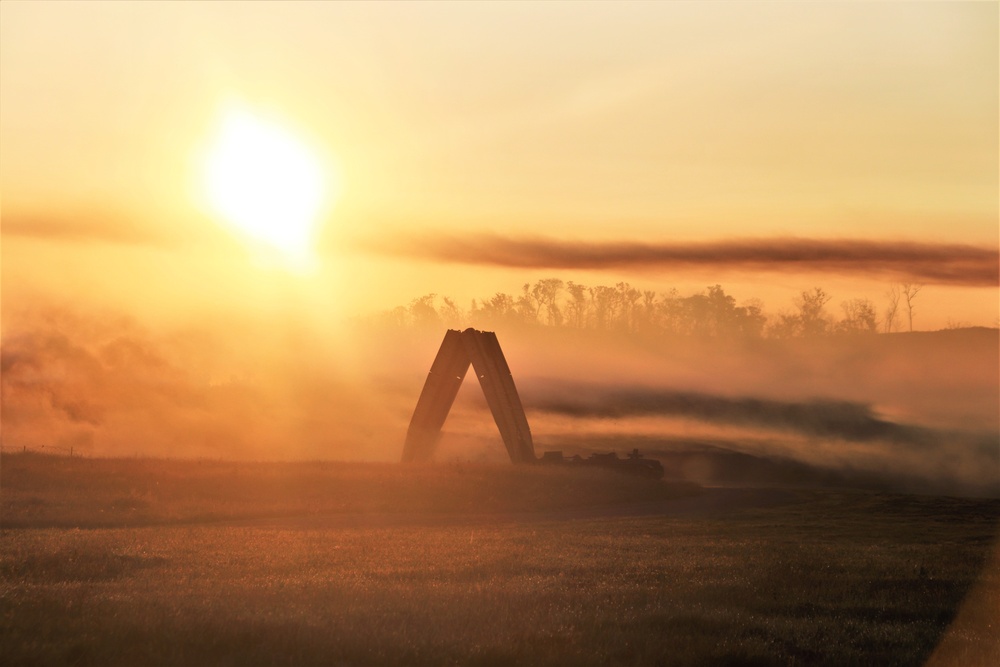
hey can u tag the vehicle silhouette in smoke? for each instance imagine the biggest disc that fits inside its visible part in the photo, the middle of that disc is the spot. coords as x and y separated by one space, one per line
634 464
480 349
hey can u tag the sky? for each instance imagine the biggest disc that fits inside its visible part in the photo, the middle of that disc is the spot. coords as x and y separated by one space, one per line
447 125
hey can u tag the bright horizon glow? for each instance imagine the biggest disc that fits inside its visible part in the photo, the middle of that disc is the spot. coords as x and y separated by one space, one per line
265 182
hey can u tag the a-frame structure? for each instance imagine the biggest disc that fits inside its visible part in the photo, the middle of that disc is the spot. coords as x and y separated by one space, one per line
458 351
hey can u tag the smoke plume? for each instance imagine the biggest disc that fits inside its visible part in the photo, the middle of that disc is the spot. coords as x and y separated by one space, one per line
948 264
118 389
826 418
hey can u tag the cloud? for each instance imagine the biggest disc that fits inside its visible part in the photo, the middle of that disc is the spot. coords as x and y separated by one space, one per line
89 227
949 264
105 228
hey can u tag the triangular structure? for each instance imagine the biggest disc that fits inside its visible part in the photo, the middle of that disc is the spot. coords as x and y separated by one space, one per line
458 350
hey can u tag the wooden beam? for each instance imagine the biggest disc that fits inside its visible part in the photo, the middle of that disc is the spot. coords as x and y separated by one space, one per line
501 394
458 350
442 385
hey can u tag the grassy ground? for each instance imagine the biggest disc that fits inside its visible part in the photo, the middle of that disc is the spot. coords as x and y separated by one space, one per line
40 490
209 576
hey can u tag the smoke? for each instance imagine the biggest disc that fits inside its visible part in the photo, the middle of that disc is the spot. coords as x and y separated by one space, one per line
766 441
904 411
947 264
116 388
759 461
714 438
824 418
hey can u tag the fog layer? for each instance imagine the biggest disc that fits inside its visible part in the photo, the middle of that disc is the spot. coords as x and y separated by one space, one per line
915 411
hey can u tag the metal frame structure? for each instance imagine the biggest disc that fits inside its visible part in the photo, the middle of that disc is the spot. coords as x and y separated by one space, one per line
458 351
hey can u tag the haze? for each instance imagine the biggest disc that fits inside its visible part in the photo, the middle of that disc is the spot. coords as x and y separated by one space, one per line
465 150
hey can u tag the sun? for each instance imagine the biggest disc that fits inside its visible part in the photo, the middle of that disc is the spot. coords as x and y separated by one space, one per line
264 181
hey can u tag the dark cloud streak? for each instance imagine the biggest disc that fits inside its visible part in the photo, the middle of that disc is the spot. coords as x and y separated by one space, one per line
950 264
825 418
115 229
84 229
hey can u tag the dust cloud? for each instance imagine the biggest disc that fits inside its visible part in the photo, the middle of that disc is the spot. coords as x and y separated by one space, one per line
915 411
112 387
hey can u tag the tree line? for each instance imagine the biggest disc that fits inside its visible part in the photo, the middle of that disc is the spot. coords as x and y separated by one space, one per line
623 308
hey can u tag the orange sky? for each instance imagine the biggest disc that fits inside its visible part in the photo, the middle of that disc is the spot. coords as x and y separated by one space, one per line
606 122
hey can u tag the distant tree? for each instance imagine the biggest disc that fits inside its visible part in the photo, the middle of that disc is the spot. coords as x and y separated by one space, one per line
671 312
647 313
730 320
451 315
528 305
498 309
910 293
689 314
576 309
722 311
603 301
626 299
752 320
546 294
422 312
787 325
809 319
891 310
813 320
859 317
711 313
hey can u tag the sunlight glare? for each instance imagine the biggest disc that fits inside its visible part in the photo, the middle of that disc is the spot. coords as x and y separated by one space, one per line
263 180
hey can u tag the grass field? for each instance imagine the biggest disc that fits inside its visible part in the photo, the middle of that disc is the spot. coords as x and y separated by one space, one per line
129 562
